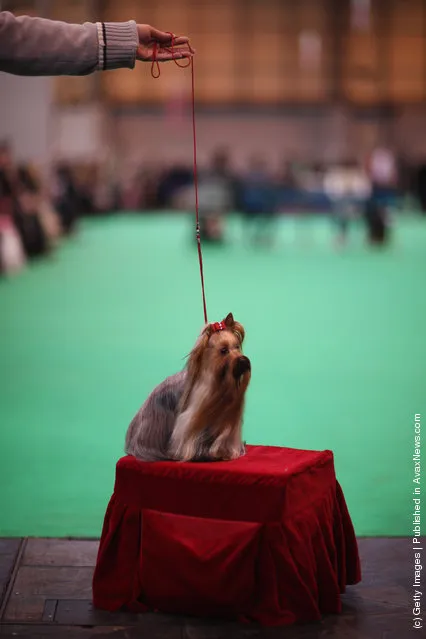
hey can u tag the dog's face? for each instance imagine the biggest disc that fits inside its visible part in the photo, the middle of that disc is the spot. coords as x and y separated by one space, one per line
218 355
224 357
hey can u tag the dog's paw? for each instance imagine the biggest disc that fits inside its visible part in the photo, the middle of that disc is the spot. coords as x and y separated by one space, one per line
186 453
227 455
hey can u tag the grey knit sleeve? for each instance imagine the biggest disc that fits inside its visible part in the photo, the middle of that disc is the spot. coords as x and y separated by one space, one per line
36 46
119 41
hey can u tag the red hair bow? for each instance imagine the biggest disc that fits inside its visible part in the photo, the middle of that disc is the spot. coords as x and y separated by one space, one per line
218 326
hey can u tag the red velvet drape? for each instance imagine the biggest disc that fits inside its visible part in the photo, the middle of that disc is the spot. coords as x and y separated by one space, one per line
267 537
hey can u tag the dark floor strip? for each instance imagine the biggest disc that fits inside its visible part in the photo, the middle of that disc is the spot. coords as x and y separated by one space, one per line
12 551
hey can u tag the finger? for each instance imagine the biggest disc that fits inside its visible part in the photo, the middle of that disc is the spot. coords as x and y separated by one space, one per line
160 36
166 38
180 40
174 49
164 56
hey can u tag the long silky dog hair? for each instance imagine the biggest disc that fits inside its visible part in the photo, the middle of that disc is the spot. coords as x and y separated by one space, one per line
197 414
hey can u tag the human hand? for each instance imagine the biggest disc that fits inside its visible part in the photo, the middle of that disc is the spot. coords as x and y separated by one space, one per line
152 40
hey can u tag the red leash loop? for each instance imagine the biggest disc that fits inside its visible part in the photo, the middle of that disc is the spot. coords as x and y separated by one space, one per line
155 72
155 66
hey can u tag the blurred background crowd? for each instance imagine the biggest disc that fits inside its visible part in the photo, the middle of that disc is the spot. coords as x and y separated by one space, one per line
36 212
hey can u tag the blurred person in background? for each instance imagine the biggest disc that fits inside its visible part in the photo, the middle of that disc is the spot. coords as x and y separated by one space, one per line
377 219
313 178
258 202
420 186
33 197
131 187
287 186
382 169
172 181
348 188
21 189
149 176
86 176
12 255
26 214
66 198
314 199
37 46
106 195
216 196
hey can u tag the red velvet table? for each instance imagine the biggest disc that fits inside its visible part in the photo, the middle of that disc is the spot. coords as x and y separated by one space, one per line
266 538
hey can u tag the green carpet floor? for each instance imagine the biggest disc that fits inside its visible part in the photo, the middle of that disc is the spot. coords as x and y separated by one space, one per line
336 339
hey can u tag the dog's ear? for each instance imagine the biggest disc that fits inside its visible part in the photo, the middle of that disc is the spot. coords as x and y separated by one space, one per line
235 327
229 320
239 331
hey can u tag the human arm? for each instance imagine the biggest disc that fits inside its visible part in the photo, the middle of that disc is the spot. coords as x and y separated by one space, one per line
37 46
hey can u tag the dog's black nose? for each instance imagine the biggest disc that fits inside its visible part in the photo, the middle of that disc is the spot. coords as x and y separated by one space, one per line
241 366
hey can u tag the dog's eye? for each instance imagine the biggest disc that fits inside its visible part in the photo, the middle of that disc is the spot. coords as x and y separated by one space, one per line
224 350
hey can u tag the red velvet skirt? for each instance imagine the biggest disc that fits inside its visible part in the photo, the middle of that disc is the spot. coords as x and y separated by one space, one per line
264 538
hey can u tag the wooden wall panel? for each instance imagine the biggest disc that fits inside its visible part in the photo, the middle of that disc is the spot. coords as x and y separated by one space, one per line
247 51
408 16
363 80
387 63
361 69
407 82
407 51
213 30
278 62
257 51
263 57
314 56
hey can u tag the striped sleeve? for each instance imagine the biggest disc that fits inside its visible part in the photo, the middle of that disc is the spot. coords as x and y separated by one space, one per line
118 42
36 46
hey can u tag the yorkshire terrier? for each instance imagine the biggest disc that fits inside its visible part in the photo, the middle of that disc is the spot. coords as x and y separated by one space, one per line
197 414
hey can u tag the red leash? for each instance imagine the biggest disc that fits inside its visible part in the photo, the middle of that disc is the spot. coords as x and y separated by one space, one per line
155 72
